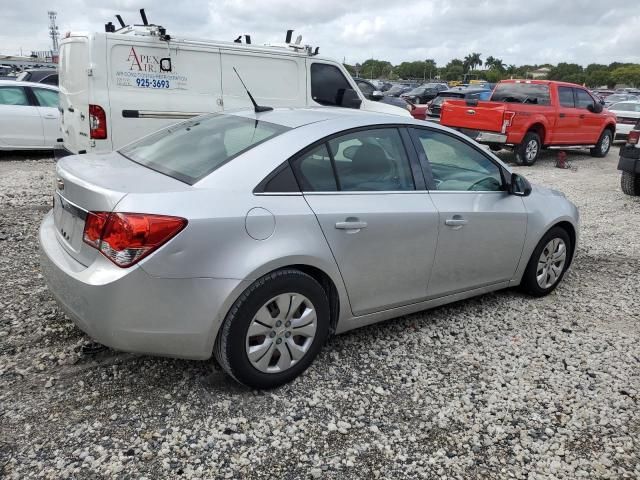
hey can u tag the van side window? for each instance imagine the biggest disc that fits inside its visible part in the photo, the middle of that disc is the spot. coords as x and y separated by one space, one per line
327 84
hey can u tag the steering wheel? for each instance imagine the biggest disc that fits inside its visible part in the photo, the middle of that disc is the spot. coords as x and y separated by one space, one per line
489 184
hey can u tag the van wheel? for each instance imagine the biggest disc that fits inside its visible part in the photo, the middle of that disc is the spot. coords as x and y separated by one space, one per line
630 183
604 144
274 330
527 152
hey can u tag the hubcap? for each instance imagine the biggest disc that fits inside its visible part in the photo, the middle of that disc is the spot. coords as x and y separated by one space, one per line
531 150
605 144
551 263
281 333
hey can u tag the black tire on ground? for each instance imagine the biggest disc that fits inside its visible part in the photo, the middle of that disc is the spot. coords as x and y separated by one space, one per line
528 151
529 283
604 144
630 183
230 347
495 148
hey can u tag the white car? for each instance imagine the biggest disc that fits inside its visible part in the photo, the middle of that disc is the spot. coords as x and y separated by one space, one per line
29 116
627 115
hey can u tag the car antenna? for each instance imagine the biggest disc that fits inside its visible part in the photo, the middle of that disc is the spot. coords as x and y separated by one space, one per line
256 108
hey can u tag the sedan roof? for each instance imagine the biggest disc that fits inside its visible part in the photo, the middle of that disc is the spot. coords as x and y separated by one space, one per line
13 83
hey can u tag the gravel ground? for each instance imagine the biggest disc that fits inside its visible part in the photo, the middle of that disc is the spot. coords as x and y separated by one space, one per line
501 386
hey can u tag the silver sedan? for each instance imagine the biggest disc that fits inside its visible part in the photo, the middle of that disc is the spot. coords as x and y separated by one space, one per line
255 236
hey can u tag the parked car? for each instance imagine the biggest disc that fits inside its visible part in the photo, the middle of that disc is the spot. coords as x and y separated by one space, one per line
239 235
141 82
627 115
619 97
397 90
370 92
629 163
529 115
48 76
424 93
29 116
433 108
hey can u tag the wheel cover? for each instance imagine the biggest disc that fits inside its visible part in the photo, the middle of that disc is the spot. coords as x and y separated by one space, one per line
532 150
551 263
606 142
281 333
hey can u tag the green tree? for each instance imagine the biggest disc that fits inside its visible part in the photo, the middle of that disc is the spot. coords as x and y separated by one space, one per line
568 72
493 75
471 61
628 75
455 72
373 68
598 78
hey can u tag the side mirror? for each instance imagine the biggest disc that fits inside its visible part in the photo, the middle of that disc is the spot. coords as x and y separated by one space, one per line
377 95
348 98
595 107
519 186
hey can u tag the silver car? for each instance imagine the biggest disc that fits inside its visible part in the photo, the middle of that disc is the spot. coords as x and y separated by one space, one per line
255 236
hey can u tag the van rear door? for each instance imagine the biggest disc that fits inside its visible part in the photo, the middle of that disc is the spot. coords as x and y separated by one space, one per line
74 93
144 98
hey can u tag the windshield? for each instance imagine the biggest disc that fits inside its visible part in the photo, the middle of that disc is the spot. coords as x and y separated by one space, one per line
442 96
191 150
626 107
396 89
533 93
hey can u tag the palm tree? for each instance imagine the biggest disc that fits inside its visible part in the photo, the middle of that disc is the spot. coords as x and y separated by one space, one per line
489 62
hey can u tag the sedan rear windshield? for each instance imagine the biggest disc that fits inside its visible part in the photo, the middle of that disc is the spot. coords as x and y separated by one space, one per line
532 93
191 150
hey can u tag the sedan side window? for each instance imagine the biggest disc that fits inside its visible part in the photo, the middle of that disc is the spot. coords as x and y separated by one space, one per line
457 166
314 171
13 96
372 160
46 98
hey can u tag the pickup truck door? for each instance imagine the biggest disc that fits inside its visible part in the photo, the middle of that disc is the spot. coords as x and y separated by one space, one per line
481 228
591 123
567 130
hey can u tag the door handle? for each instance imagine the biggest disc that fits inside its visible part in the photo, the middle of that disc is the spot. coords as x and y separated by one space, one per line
582 116
71 109
51 116
456 221
562 115
351 225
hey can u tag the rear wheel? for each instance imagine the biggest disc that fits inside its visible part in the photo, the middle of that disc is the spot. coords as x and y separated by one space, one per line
604 144
630 183
548 263
274 330
527 152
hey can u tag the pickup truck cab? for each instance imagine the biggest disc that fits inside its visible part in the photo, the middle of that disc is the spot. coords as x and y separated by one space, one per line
529 115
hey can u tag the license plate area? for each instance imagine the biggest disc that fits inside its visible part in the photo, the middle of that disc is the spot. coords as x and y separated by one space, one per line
69 220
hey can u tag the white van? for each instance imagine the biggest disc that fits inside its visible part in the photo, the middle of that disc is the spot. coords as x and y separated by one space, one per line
116 87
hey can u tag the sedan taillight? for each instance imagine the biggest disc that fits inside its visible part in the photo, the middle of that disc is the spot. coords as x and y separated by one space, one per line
634 136
126 238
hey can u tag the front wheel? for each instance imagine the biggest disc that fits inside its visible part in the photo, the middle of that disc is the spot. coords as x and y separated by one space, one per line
548 263
604 144
274 330
630 183
527 152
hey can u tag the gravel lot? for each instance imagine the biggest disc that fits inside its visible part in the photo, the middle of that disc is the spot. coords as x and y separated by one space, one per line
502 386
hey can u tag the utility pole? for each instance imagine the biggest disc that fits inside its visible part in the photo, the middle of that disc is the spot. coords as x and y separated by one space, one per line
53 31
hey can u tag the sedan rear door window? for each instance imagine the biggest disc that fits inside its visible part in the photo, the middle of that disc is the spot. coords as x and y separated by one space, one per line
46 97
13 96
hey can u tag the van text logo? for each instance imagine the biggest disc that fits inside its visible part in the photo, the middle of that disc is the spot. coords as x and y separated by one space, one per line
143 63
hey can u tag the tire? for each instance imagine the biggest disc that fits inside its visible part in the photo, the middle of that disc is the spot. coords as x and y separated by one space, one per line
603 146
261 299
495 148
528 151
530 282
630 183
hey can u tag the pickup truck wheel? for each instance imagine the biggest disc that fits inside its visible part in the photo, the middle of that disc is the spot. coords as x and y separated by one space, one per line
527 152
630 183
604 144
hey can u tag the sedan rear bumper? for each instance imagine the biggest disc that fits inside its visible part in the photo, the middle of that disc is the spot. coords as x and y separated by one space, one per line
130 310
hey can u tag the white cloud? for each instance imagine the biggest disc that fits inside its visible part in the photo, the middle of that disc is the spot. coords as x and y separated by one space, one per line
581 31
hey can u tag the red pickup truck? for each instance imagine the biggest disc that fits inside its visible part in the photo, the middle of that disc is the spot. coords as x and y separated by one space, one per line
529 115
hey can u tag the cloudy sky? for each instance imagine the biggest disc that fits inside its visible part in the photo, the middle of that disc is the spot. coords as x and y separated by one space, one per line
517 31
